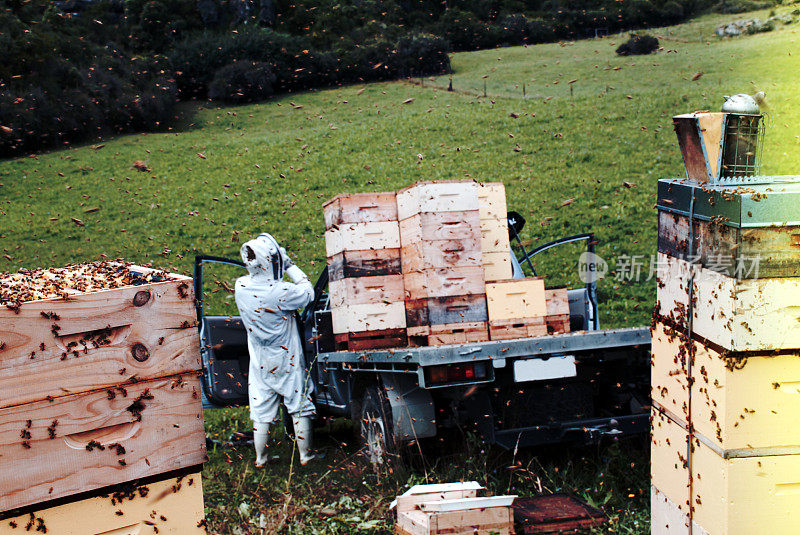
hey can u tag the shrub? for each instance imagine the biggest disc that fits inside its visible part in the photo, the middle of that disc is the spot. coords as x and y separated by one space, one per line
242 81
638 44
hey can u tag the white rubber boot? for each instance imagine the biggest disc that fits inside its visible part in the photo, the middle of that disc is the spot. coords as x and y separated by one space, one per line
260 439
302 432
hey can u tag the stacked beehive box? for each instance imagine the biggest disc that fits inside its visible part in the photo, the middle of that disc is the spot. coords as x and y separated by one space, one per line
725 366
99 379
440 234
362 241
521 308
495 245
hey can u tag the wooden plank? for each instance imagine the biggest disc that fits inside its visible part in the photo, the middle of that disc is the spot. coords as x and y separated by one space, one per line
362 236
444 282
442 196
360 208
417 494
435 226
440 310
669 468
365 290
742 253
437 254
55 347
556 301
746 400
466 503
494 236
492 201
369 317
521 328
514 299
497 266
413 522
669 385
743 496
367 263
171 506
87 441
371 340
458 333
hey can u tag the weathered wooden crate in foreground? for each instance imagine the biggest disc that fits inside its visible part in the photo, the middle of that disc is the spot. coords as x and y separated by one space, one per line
100 386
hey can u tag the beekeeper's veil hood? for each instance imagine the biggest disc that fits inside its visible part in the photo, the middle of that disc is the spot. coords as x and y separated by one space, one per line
262 257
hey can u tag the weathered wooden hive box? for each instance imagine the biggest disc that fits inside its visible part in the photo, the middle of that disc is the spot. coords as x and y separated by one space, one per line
98 378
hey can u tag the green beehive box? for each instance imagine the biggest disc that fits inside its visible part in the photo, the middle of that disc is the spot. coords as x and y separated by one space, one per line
745 230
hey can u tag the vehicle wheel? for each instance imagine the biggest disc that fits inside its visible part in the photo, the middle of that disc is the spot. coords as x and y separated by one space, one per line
377 437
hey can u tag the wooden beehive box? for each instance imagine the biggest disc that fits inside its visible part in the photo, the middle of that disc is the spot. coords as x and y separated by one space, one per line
738 315
742 253
367 263
368 317
360 208
492 201
453 508
362 237
497 266
435 226
444 282
440 196
102 384
441 310
172 506
743 232
441 254
381 289
494 236
516 299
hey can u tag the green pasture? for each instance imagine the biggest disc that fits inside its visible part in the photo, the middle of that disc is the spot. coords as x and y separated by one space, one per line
581 150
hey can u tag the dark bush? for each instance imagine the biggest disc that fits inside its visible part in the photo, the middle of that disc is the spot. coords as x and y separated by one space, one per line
638 44
242 81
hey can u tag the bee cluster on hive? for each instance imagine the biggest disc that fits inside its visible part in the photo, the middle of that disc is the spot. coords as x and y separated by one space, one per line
37 284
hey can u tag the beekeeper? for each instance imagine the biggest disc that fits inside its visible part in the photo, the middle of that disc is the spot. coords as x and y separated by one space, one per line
267 304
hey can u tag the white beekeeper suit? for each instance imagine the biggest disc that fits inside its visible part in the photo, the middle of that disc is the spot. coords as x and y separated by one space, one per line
266 305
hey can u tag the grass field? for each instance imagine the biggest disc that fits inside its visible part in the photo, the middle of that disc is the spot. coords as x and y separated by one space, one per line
573 160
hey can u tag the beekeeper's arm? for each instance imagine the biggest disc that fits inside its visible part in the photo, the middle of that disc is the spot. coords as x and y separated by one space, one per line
299 294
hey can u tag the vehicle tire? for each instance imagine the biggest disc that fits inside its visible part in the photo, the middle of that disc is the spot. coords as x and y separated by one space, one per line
375 420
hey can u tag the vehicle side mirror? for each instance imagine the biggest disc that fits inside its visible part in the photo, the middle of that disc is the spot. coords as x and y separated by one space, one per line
515 224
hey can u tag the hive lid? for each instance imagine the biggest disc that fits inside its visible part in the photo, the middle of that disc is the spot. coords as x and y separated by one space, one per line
768 201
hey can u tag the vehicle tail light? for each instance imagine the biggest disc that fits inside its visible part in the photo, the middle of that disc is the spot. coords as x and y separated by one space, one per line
457 373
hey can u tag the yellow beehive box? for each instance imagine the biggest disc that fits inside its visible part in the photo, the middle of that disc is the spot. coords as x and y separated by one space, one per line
738 315
492 201
516 299
497 266
669 461
171 506
442 196
668 365
494 236
362 236
368 317
745 495
746 400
